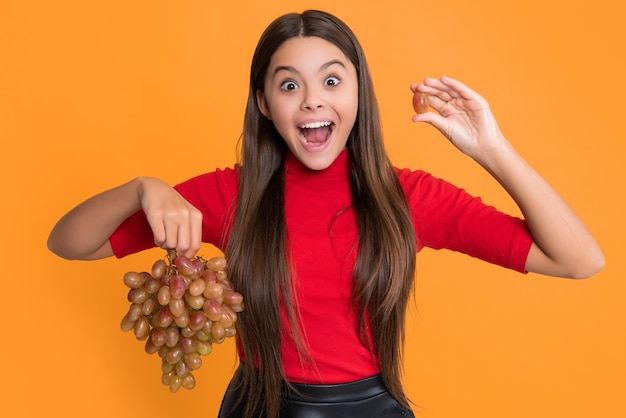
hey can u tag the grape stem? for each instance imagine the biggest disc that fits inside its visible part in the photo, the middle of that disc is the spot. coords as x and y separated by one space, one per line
171 257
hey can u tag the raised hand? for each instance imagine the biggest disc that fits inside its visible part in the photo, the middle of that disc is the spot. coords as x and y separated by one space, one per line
563 246
462 116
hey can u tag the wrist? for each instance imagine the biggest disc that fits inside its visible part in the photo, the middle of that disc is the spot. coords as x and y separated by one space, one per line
139 185
498 156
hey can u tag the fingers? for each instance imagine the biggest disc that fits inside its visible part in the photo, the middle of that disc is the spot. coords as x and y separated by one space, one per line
434 119
196 233
438 94
449 88
445 88
180 230
447 95
437 97
175 223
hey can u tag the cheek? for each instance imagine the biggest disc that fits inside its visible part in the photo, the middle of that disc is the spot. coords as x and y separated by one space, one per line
282 107
352 109
355 98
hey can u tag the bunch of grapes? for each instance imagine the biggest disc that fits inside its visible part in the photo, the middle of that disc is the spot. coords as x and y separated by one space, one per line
180 309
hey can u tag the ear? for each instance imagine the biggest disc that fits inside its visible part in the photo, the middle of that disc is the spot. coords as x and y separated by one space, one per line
262 103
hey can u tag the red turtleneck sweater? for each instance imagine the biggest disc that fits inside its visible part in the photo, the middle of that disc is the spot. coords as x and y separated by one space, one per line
323 237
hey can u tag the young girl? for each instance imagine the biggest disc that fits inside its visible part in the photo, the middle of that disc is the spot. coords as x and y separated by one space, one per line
321 231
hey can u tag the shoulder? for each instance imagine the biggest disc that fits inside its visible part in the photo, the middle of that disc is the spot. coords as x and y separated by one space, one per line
431 198
408 175
423 183
221 184
221 177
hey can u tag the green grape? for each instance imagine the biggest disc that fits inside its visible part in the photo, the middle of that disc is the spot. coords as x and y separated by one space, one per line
202 335
226 284
230 332
152 285
138 295
204 347
166 377
197 287
232 298
164 295
213 291
207 326
182 368
194 302
134 311
216 264
175 383
192 360
189 382
148 307
150 347
134 280
238 308
163 351
182 320
221 276
188 344
172 336
127 324
187 332
166 367
228 318
177 307
174 355
158 336
142 328
159 268
217 332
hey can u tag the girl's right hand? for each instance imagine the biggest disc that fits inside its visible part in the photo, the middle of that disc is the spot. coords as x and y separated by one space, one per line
83 233
175 223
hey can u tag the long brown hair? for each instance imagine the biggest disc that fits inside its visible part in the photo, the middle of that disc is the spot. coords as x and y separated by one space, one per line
257 249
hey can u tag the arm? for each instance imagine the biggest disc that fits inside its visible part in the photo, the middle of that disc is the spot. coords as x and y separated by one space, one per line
562 245
83 233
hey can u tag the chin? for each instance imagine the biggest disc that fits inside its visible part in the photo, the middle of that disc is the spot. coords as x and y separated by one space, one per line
319 163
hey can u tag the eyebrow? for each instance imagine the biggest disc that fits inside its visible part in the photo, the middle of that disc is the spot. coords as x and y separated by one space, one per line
293 69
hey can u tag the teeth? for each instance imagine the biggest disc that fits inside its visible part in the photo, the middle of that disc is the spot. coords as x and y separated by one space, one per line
314 125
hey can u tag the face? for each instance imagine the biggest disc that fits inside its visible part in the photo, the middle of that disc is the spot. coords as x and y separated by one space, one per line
311 96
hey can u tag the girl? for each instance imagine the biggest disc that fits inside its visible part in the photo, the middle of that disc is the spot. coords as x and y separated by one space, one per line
321 231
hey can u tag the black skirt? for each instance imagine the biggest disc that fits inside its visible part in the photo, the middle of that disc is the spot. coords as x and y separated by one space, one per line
359 399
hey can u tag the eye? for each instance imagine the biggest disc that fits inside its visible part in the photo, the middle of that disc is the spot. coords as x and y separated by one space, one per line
288 85
332 81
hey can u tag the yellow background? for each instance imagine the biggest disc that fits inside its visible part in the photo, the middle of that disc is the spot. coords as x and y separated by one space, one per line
94 93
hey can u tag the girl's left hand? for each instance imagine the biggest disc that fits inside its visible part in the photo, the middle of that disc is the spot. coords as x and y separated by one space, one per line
562 244
463 116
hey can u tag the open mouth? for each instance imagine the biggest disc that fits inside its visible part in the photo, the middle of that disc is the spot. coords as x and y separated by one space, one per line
316 133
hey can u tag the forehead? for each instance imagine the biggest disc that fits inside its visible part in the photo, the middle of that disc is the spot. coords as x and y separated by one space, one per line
307 53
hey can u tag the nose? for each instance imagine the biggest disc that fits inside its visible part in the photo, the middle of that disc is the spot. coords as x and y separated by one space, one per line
312 99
